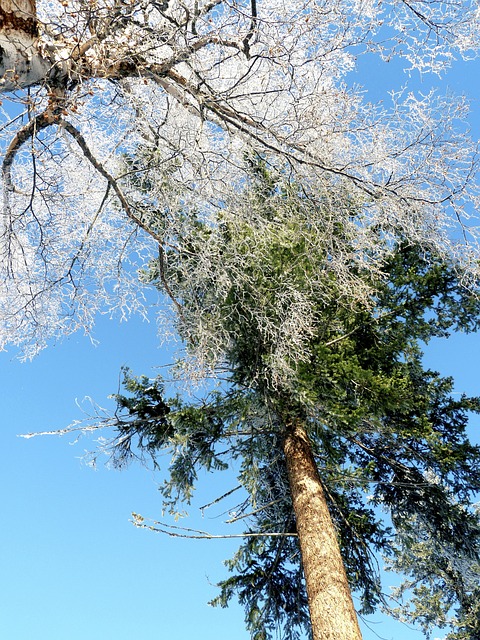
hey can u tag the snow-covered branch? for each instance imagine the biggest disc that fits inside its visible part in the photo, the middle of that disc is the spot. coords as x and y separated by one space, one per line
163 101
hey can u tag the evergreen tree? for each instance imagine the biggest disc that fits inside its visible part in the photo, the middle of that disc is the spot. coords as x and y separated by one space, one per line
347 446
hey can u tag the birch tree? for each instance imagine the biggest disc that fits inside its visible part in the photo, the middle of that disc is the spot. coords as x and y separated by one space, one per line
194 85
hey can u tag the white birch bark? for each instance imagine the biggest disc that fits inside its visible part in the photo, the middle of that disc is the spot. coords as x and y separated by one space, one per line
21 61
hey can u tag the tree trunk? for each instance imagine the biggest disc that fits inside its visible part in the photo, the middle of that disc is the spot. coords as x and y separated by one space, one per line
21 63
332 613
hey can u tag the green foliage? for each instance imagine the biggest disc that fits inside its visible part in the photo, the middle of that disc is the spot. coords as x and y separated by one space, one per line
444 579
262 568
341 350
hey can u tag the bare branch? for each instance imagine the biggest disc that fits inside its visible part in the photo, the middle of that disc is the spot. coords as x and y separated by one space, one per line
194 534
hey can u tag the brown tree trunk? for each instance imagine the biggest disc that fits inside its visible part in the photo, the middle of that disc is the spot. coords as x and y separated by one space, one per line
332 613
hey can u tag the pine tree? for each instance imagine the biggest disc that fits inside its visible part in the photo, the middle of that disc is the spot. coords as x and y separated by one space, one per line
347 446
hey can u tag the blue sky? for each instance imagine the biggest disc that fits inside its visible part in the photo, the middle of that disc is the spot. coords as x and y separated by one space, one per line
72 566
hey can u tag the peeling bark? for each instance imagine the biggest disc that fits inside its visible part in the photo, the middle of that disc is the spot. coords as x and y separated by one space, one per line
332 612
19 16
21 61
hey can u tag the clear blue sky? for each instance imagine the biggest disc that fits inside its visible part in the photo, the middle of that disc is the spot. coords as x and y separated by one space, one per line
72 566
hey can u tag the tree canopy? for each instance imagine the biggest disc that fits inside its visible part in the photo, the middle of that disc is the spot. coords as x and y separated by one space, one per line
312 289
197 84
292 340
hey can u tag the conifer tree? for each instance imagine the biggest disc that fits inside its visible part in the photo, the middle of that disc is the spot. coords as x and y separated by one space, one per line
347 446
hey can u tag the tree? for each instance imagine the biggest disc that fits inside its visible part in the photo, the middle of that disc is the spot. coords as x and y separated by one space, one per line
185 88
325 406
196 84
440 578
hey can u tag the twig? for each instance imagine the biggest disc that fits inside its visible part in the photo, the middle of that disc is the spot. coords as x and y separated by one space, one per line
196 534
252 513
225 495
80 140
42 121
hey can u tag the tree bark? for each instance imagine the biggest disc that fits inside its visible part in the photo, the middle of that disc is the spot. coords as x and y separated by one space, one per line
21 63
332 613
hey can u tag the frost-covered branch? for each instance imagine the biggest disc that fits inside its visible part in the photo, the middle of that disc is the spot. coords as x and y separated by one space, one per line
163 102
196 534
